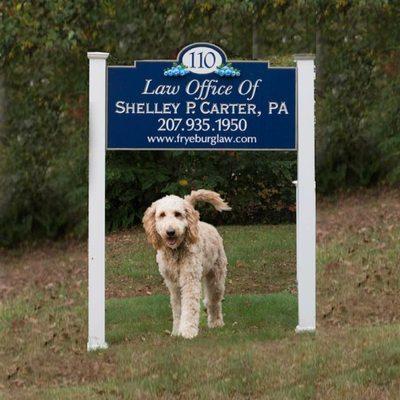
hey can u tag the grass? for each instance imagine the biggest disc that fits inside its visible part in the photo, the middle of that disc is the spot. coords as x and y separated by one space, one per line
257 355
261 260
247 317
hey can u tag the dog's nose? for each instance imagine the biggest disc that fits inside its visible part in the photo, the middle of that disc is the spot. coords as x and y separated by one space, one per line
170 232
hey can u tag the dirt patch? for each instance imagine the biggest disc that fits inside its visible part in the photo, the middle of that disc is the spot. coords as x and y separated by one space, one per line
358 238
42 267
126 286
357 212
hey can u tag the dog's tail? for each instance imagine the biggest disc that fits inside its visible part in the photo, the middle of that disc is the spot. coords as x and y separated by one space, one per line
209 197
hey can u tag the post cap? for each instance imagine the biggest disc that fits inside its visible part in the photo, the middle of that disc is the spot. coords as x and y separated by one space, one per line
305 56
97 55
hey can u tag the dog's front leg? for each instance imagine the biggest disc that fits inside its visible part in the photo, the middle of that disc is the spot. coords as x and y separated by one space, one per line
190 283
175 296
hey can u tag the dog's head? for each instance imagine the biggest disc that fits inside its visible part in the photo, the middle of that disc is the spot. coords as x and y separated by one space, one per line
171 221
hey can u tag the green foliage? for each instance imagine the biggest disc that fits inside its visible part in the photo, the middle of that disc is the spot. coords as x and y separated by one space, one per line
257 185
383 119
43 137
358 78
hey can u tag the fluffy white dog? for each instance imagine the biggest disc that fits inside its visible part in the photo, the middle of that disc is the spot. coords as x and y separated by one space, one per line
189 251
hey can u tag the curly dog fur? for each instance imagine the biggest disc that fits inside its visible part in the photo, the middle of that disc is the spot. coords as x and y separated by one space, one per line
189 251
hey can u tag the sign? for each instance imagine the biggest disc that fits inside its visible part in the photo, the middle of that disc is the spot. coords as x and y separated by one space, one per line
201 101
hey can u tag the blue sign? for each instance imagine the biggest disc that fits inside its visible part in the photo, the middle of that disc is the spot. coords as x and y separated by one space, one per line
201 101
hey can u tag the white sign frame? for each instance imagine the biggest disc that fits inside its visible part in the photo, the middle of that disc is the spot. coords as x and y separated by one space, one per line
305 197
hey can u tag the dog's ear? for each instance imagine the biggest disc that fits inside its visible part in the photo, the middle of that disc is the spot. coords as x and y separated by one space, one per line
192 217
149 224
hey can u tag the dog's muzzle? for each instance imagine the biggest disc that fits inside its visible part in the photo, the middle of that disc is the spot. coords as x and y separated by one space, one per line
171 239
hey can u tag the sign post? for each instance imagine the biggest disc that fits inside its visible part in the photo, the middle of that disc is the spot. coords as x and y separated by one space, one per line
305 194
97 168
201 101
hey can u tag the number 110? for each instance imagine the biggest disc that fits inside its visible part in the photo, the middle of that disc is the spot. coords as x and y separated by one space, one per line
202 59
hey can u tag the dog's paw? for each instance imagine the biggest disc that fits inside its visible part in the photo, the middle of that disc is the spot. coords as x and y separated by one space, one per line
189 332
175 332
218 323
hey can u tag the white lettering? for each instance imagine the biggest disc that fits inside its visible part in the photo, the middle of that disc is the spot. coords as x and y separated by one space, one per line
247 87
283 108
208 87
190 106
120 107
160 89
272 105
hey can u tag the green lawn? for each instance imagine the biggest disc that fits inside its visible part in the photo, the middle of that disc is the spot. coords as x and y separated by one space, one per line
261 260
248 317
354 355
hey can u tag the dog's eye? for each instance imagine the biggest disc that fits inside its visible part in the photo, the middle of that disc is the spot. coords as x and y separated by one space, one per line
178 214
162 215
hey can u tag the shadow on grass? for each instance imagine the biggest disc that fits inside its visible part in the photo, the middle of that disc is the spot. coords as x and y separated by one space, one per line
247 317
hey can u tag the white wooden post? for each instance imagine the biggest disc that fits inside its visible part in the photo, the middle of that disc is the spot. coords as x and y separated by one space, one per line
305 193
97 156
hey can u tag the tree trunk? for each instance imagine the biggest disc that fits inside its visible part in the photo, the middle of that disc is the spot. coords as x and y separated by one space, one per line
255 49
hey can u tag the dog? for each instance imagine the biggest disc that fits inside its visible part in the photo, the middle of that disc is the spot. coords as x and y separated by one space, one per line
189 252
